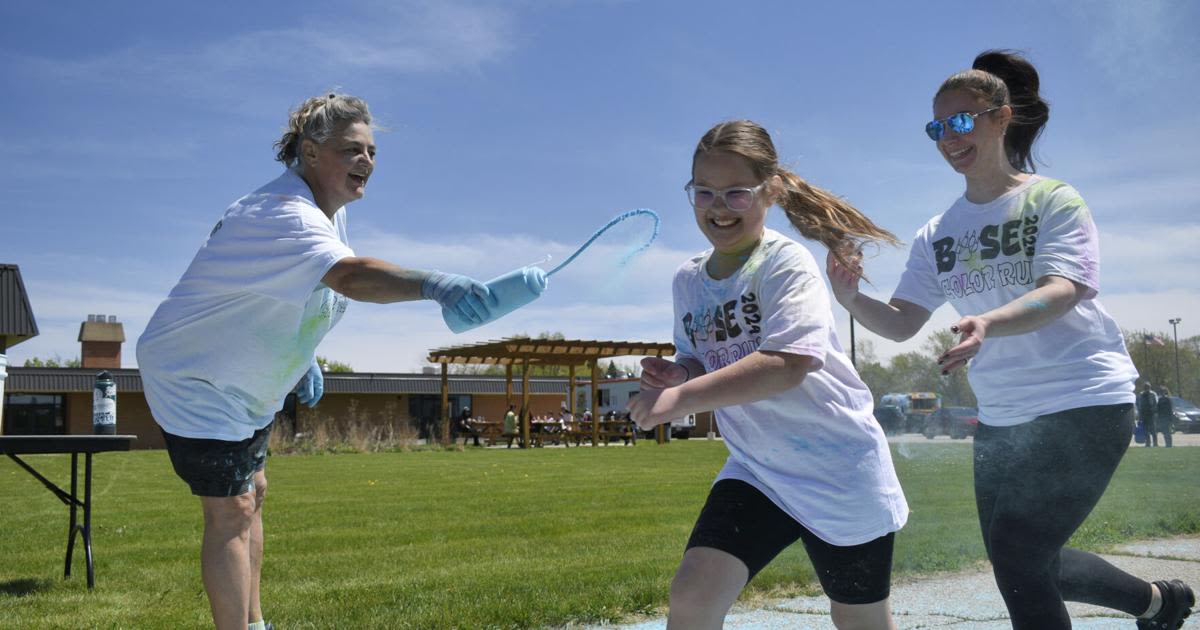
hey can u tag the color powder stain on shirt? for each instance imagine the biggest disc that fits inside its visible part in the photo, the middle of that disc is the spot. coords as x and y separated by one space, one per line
800 443
824 446
755 260
319 314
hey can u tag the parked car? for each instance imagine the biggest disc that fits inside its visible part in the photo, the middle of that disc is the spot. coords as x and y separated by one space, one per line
957 422
683 427
914 422
891 418
1187 416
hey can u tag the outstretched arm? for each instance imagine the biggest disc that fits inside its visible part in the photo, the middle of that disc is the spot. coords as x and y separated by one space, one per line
1052 298
896 320
372 280
760 375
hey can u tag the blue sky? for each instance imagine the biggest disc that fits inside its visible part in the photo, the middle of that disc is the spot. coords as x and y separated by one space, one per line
517 128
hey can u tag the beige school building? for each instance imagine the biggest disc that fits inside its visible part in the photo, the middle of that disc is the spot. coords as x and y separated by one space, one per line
58 400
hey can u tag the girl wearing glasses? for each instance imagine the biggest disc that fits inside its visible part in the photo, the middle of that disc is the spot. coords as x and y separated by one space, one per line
756 342
1018 258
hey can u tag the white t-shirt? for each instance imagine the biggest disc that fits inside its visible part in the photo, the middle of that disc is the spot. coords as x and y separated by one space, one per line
982 256
815 450
242 325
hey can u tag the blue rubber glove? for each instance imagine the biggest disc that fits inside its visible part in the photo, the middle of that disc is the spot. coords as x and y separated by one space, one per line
469 298
311 386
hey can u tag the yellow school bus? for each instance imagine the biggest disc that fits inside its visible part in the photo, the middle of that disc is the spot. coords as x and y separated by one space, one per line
920 406
916 407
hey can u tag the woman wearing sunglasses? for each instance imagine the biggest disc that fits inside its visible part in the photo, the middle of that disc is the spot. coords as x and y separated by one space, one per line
755 339
1018 258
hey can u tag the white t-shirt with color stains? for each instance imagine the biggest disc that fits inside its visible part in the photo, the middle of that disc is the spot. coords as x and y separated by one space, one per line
242 325
815 450
979 257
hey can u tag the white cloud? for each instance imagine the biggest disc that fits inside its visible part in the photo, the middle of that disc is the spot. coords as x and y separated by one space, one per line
1150 258
1132 199
398 337
1138 43
60 306
87 160
593 277
1150 310
590 299
390 38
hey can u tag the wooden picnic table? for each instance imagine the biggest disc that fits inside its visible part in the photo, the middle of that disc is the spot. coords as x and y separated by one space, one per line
577 432
491 431
623 429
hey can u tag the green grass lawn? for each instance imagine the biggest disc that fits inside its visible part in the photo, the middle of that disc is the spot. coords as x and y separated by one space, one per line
476 539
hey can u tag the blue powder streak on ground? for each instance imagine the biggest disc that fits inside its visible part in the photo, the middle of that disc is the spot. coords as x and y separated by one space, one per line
619 218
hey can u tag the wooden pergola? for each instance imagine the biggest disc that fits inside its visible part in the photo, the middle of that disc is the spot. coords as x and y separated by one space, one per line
548 352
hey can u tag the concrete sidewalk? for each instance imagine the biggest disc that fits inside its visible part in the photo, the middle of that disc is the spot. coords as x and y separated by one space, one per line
970 600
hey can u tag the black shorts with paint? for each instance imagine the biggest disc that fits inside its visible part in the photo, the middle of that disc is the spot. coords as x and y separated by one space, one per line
217 468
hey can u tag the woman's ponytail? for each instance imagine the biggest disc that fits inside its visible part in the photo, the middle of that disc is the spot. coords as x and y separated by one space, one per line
1030 110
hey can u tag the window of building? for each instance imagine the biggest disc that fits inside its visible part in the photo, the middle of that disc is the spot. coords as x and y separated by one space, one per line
34 414
426 412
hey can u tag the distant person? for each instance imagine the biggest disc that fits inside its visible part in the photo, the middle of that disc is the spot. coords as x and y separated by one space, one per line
510 425
1147 407
242 326
755 341
1018 257
629 429
568 426
465 427
1164 415
562 427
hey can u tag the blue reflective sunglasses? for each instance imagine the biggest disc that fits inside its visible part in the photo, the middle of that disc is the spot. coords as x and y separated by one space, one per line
961 123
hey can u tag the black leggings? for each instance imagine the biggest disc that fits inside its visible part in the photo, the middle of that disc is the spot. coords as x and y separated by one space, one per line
1035 483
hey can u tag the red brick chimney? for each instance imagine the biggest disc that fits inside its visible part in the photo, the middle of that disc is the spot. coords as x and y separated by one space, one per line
101 337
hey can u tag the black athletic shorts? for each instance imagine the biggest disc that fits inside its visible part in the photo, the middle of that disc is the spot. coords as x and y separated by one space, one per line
740 520
217 468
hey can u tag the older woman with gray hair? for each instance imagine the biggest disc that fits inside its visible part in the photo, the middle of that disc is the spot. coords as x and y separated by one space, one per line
240 330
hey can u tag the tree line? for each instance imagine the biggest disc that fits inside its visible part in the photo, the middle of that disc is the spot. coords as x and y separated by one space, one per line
917 371
1153 355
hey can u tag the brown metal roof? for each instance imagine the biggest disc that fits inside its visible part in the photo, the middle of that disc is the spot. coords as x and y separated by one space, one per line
102 331
16 316
68 380
432 384
546 351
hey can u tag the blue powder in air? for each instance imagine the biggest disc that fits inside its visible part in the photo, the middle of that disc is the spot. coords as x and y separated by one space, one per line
617 219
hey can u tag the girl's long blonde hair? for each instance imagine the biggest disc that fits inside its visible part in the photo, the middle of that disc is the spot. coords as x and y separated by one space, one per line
816 213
